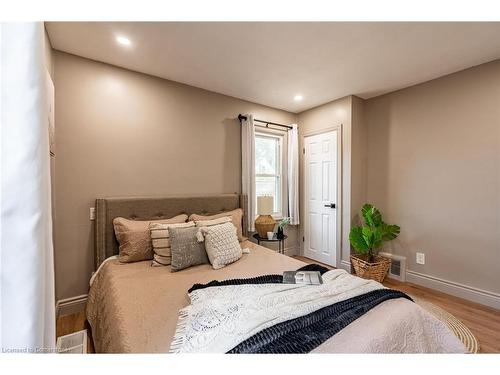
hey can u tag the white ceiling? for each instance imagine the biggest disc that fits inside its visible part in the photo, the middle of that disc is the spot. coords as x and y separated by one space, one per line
268 63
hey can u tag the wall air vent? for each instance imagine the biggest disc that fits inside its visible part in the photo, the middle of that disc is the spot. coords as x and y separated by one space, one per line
74 343
398 266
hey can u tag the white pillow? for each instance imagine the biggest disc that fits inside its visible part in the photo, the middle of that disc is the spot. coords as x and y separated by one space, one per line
221 244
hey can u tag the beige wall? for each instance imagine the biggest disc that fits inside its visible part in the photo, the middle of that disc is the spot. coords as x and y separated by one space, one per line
359 154
434 169
428 156
121 133
338 112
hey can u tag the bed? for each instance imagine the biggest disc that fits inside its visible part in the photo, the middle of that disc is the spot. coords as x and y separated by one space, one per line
134 308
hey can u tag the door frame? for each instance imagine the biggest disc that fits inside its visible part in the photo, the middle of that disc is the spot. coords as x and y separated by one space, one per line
339 205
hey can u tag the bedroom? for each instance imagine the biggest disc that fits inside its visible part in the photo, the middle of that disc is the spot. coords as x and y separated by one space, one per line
179 153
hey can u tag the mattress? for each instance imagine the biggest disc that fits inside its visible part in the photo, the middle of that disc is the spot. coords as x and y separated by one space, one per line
133 308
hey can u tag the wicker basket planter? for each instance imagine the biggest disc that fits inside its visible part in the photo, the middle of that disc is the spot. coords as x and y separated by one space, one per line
376 270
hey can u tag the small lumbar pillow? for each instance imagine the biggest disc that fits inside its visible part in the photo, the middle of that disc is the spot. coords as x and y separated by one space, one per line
235 215
134 238
185 249
160 238
221 244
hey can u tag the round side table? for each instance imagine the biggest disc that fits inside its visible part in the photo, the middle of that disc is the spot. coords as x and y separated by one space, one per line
281 241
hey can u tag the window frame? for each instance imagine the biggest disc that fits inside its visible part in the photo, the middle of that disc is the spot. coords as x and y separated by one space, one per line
282 161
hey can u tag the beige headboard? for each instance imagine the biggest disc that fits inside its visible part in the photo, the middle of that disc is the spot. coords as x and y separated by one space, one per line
152 208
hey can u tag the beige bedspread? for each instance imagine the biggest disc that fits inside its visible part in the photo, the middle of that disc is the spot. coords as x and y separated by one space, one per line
133 308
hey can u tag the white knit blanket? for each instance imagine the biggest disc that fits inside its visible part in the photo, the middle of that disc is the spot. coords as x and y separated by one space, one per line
219 318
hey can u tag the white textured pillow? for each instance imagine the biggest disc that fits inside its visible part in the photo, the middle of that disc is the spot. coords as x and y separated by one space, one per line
221 244
160 239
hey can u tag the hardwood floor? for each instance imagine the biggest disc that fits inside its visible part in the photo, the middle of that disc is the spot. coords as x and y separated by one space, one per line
483 321
67 324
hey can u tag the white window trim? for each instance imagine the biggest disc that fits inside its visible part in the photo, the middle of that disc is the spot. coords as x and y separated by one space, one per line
283 136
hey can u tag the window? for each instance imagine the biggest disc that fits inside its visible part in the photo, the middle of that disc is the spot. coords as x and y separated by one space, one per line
270 168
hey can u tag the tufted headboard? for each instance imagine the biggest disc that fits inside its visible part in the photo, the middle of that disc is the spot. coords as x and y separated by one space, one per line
152 208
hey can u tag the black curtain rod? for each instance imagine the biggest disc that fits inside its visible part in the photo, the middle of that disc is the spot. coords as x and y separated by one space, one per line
241 118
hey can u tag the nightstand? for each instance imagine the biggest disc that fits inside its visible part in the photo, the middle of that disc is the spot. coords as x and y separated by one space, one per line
281 241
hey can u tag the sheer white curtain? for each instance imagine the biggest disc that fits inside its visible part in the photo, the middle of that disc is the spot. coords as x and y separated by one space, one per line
27 269
248 169
293 175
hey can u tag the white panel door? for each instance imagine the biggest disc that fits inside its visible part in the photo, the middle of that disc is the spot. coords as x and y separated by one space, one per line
320 232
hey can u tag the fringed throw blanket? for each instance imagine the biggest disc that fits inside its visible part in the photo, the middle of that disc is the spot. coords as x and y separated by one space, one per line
262 315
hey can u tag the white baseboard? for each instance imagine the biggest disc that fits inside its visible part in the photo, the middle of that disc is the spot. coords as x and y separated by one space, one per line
481 296
346 265
71 305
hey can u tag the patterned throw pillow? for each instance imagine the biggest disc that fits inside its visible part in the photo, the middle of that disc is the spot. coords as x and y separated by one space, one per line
160 238
134 238
235 215
185 249
221 244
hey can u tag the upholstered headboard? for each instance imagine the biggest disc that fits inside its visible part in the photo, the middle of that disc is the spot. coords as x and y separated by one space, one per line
152 208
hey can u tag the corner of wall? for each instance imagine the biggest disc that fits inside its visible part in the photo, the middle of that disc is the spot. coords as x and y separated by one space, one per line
49 54
359 137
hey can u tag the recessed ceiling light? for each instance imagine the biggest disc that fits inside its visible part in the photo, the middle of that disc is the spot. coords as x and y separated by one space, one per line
124 41
298 98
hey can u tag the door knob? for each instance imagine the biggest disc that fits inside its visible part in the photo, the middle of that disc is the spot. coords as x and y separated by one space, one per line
331 205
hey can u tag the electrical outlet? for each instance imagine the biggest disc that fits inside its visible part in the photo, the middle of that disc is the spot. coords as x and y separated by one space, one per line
420 258
92 213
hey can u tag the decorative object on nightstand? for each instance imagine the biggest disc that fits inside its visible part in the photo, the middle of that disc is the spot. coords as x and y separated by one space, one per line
367 239
281 225
264 222
281 241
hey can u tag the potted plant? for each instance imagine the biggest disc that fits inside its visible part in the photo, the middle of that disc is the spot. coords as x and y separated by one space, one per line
368 238
281 224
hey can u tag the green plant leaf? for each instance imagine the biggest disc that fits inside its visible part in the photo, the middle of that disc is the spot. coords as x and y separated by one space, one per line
374 233
372 215
389 232
367 235
377 238
358 241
